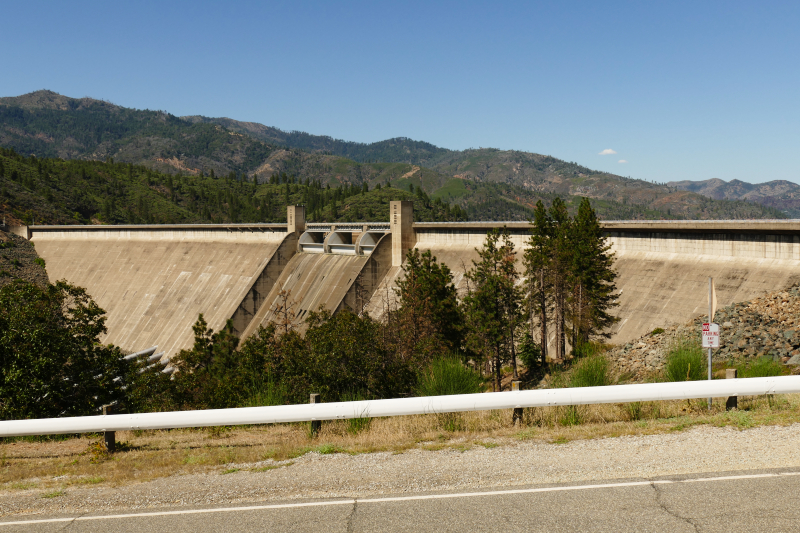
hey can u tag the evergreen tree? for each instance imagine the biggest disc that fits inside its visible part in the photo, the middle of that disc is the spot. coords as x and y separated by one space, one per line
560 271
593 291
429 319
538 279
493 303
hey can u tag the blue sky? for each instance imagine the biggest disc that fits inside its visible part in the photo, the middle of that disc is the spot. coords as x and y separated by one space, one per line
679 90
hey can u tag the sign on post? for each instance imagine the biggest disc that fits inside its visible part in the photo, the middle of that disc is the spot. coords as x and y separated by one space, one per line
710 335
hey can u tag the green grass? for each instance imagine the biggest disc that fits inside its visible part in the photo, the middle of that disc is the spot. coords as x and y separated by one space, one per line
686 362
92 480
54 494
761 368
592 371
448 375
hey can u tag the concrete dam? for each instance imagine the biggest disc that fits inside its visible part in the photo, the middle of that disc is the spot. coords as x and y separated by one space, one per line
153 281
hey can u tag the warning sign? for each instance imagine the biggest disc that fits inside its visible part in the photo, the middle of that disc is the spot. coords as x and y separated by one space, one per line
710 335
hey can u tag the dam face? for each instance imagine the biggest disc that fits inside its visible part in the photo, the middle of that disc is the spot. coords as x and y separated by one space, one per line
153 281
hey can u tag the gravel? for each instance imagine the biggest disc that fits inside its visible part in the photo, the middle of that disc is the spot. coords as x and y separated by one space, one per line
511 463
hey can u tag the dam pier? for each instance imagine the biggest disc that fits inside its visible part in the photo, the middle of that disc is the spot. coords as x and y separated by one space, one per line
154 280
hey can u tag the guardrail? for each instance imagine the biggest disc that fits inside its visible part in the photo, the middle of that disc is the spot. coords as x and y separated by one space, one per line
404 406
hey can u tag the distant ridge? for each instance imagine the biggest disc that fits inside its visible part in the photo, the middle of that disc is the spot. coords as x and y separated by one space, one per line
780 194
487 183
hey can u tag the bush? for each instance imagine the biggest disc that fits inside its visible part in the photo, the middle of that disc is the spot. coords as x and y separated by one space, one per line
762 368
530 353
265 392
657 331
447 376
51 360
593 371
686 362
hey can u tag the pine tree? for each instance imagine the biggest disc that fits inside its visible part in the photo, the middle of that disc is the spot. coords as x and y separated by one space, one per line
537 267
593 291
560 272
493 304
429 319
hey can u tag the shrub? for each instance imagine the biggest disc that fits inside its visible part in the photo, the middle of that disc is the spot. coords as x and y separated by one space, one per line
762 368
530 353
449 376
657 331
39 261
264 392
685 362
593 371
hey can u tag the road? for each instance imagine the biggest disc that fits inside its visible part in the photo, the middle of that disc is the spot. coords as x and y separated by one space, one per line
725 502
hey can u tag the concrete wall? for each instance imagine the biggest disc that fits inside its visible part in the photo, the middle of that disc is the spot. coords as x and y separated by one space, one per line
663 267
453 245
263 284
663 276
153 281
360 293
312 280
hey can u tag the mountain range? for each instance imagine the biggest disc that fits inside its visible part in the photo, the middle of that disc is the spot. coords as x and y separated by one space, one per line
780 194
484 183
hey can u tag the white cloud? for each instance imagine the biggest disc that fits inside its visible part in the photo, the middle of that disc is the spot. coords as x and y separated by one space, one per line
621 161
607 151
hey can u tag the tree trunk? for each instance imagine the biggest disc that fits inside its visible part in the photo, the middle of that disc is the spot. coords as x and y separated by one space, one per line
543 319
514 355
498 383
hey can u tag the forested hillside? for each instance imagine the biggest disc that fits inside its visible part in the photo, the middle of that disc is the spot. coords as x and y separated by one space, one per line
54 191
164 168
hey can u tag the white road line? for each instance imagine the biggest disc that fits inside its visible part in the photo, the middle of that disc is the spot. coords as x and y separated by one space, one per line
399 498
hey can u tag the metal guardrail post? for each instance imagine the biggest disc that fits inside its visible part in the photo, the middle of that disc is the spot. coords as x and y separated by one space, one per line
109 437
516 418
733 401
316 425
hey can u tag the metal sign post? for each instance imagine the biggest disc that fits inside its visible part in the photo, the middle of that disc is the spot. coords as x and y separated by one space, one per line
710 330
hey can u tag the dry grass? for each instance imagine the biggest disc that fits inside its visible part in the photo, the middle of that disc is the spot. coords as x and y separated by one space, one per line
54 465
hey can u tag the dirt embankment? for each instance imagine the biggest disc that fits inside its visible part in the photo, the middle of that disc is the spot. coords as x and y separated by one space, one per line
19 260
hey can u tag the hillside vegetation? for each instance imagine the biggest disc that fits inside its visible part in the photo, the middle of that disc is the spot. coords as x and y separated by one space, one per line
780 194
483 183
54 191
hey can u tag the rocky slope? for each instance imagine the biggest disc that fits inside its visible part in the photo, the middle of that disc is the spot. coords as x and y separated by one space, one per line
768 326
19 260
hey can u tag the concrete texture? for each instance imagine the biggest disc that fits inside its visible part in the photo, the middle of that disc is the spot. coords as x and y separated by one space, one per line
401 225
312 280
154 281
663 275
331 281
263 284
454 246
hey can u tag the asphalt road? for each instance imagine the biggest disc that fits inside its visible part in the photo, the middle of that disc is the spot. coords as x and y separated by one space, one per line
724 502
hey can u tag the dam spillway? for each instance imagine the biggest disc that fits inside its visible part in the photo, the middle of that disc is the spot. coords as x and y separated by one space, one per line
153 281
